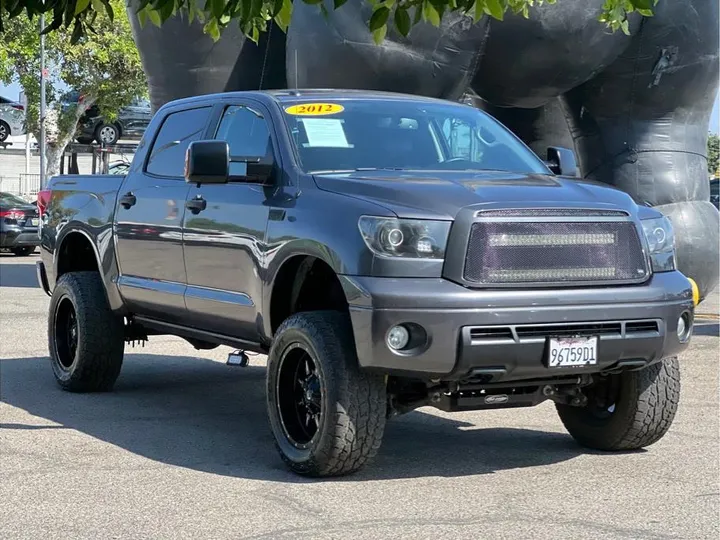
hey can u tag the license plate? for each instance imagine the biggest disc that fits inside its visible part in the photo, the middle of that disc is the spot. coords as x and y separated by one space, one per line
571 352
34 222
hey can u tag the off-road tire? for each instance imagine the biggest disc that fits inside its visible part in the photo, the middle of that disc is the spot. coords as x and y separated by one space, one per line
645 408
354 402
22 251
98 357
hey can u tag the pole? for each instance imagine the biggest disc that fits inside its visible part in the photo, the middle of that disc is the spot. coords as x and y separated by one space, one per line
42 103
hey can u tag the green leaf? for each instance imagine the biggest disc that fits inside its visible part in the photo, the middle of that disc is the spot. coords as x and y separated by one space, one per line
108 9
379 34
479 10
154 17
338 3
645 12
495 8
81 6
379 18
142 18
76 33
402 21
430 14
642 4
217 7
167 10
625 27
283 18
211 28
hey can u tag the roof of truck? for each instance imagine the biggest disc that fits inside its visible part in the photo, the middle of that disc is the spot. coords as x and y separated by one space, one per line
281 96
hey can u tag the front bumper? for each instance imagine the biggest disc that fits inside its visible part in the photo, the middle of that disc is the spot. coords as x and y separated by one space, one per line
508 341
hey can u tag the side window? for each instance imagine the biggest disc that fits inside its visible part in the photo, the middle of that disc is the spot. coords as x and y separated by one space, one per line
167 156
245 131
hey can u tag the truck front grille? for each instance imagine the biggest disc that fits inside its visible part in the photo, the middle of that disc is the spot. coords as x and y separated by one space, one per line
504 252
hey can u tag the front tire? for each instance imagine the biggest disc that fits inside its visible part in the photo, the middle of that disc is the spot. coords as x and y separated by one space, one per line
4 131
327 416
626 411
85 339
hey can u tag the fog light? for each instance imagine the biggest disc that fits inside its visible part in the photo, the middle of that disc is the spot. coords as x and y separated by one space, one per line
681 327
684 327
398 337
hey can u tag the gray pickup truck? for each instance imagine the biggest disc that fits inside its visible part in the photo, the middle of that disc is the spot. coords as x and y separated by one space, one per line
386 252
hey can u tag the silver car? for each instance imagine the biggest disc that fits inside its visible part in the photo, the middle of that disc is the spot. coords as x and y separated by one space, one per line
12 118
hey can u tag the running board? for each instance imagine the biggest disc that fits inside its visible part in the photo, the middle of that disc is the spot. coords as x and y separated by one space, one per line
202 335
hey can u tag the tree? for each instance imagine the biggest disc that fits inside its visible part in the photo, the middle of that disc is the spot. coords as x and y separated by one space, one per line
103 66
713 147
253 15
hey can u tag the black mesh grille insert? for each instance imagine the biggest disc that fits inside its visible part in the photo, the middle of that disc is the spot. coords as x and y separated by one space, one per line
554 252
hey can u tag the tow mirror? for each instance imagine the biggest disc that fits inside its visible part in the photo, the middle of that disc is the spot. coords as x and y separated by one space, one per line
561 161
207 162
252 170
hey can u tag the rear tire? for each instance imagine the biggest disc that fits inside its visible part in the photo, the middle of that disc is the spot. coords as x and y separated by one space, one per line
627 411
23 251
327 416
85 339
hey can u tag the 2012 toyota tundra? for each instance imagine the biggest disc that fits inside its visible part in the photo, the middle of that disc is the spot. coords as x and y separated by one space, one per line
387 252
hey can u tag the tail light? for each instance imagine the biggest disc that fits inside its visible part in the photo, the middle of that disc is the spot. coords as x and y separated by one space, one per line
18 106
43 199
12 215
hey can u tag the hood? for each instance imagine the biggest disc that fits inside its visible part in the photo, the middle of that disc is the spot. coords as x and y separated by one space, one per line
441 194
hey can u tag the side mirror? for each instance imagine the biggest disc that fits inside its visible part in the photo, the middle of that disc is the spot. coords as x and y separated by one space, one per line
207 162
255 170
561 161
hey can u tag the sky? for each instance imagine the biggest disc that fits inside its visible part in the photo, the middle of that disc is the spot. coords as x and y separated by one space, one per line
13 91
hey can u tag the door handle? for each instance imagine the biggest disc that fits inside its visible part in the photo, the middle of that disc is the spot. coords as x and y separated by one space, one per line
128 200
196 205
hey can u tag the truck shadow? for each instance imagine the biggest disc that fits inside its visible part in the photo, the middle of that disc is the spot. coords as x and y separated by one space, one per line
208 417
18 275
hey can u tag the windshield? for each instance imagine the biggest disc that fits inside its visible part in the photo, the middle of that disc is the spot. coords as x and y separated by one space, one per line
403 134
10 199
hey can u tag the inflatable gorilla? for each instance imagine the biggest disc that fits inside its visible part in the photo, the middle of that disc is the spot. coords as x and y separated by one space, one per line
635 108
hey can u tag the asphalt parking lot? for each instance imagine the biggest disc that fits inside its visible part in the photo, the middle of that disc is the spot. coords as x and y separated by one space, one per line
182 449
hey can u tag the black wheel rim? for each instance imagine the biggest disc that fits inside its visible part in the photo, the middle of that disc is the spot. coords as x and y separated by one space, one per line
298 396
66 333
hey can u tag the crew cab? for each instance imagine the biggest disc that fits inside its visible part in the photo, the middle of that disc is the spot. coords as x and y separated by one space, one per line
387 252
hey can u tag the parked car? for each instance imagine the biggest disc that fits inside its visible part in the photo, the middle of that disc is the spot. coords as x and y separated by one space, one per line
12 119
130 123
387 252
715 192
18 225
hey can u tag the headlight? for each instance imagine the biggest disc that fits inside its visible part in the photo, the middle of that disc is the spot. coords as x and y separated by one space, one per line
661 243
406 238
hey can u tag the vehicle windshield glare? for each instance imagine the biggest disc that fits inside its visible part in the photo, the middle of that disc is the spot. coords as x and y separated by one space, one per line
403 134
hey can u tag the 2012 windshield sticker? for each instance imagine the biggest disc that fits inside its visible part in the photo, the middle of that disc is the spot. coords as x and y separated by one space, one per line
314 109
